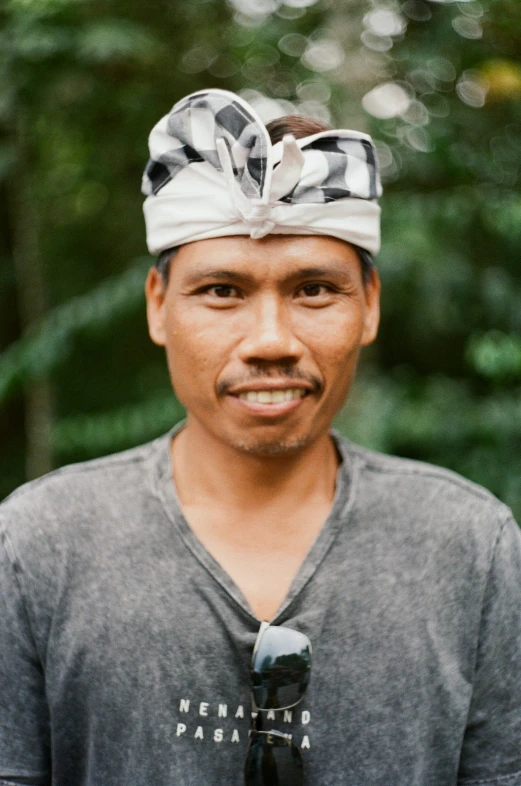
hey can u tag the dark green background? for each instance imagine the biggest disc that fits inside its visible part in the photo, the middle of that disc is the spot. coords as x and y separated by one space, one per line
81 84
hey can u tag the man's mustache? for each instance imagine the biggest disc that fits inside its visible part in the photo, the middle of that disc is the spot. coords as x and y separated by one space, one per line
286 373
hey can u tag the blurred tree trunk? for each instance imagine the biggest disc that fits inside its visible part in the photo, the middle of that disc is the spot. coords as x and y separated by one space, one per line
32 300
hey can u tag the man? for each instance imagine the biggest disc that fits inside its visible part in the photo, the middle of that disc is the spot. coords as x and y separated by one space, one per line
136 589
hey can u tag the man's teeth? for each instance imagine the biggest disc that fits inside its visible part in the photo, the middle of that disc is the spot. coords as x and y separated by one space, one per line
272 396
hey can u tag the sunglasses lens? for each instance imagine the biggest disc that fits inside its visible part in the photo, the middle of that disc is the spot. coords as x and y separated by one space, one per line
280 668
272 760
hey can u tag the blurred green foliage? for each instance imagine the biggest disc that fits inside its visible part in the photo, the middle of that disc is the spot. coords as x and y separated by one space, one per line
438 84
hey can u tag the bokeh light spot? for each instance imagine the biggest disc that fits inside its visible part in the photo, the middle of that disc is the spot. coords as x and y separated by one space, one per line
377 43
197 59
255 8
442 69
285 12
385 22
314 90
502 78
418 139
315 110
417 10
422 80
387 100
388 162
416 114
467 27
224 66
471 8
436 105
293 44
323 55
471 89
299 3
267 108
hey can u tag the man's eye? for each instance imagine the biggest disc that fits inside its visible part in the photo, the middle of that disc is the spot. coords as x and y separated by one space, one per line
315 290
222 291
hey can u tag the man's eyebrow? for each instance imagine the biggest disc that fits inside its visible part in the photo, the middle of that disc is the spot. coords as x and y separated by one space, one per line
331 270
340 270
198 276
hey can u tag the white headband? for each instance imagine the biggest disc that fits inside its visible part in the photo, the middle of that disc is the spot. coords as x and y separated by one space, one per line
214 172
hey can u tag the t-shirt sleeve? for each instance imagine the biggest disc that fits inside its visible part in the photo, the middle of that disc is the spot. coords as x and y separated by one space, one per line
491 752
24 716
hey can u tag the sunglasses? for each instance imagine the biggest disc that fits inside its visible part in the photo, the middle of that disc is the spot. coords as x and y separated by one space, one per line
280 671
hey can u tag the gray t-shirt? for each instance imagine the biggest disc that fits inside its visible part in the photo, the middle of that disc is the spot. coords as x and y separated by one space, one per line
125 647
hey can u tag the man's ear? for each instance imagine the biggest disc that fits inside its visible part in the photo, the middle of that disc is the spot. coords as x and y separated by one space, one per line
155 291
372 308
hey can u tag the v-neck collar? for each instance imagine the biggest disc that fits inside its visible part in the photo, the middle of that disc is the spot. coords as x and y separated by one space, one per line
165 488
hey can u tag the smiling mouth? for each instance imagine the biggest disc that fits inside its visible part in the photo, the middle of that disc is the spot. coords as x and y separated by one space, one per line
272 396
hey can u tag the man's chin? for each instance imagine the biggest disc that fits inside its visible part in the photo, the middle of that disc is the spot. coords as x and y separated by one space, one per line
268 447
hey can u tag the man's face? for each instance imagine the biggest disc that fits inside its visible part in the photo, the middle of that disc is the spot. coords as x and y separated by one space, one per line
262 336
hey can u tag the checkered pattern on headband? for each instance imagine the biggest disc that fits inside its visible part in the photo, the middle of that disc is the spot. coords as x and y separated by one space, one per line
193 127
341 167
336 167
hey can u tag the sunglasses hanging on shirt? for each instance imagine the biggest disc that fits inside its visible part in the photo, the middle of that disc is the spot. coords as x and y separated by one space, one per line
280 671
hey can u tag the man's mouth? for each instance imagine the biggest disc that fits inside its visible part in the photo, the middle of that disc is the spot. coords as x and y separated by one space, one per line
272 396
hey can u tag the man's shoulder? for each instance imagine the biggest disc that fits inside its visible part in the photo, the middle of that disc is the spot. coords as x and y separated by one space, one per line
424 494
78 493
74 478
418 473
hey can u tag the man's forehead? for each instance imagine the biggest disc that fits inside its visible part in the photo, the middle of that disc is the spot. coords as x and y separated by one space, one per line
280 256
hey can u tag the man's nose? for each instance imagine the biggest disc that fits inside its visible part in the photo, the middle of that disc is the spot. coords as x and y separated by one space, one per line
270 336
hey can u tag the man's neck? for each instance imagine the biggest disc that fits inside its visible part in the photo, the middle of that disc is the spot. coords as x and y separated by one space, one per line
207 471
257 516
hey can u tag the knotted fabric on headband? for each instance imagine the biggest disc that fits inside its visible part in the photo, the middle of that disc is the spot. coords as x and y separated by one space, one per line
214 172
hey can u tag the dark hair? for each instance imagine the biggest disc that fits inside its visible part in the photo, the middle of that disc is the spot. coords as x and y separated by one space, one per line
163 262
277 129
296 125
